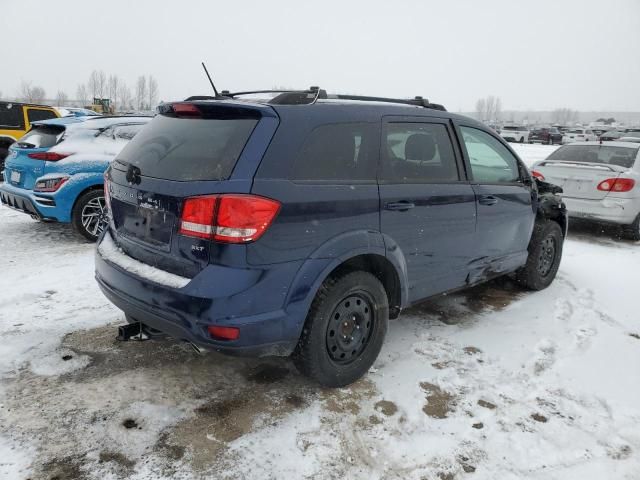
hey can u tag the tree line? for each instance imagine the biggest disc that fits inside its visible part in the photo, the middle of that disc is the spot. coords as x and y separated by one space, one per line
143 96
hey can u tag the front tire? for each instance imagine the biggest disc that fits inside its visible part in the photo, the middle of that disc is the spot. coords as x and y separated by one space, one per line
344 329
521 139
545 253
88 215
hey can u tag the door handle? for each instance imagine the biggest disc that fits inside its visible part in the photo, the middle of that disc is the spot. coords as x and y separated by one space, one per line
488 200
401 206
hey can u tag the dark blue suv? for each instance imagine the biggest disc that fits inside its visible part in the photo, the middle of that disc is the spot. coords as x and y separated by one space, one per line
299 224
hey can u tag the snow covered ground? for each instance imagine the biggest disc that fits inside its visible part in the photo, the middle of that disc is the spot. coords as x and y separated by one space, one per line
492 383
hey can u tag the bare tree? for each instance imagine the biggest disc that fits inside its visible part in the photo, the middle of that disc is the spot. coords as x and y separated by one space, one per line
82 95
563 116
141 92
489 109
113 89
31 94
153 92
61 98
124 97
97 83
481 109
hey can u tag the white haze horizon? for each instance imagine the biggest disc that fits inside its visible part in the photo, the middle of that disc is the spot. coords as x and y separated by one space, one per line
536 57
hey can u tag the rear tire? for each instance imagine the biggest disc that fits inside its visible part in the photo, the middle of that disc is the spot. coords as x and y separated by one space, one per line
545 253
521 139
632 232
88 215
344 329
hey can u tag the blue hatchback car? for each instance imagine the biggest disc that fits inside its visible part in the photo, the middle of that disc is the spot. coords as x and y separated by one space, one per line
55 172
301 223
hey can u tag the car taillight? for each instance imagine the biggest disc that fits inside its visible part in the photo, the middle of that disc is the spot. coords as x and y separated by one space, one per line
223 333
616 185
537 174
186 110
49 184
49 156
228 218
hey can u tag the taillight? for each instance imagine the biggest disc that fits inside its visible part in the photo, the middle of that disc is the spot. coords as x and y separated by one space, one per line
49 156
198 216
537 174
616 185
51 184
223 333
228 218
186 110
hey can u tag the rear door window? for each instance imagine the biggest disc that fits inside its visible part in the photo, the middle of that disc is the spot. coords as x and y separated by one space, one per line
338 152
418 153
187 149
490 161
35 114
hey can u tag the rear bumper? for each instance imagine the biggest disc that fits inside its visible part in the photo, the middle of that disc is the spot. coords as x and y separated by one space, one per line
26 202
621 211
242 299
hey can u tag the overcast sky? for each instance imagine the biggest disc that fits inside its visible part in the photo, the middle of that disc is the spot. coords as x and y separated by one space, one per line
535 54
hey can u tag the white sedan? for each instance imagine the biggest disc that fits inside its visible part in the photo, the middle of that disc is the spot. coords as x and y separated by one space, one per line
601 182
514 133
579 135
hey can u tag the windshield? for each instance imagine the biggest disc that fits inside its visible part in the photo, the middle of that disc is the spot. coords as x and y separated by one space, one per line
510 128
608 155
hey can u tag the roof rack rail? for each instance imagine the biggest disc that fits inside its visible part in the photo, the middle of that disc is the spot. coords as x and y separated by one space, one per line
311 96
418 101
285 97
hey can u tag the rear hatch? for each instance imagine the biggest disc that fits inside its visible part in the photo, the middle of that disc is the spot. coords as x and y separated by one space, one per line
190 149
21 168
580 169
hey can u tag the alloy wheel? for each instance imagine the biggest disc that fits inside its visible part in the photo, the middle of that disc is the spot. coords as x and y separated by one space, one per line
93 216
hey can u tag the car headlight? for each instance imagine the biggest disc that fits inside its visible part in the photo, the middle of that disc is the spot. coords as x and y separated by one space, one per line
50 184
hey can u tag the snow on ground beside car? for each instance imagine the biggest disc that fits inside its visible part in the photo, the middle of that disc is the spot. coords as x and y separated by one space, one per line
495 381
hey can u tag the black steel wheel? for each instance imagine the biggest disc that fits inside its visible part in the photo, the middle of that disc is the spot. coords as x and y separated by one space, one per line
350 327
344 329
545 253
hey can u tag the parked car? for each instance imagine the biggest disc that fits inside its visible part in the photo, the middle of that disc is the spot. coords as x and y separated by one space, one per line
579 135
81 112
629 137
262 228
15 121
546 135
55 172
611 135
515 133
601 182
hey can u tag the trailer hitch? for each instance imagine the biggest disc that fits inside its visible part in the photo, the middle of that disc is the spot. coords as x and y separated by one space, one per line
137 331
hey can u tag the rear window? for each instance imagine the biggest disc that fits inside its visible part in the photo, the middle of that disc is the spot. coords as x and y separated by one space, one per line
11 116
187 149
41 137
620 156
509 128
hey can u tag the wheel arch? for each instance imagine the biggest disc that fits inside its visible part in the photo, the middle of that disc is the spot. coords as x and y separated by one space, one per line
367 252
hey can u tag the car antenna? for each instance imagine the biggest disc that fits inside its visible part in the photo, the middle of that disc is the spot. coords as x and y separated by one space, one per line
210 81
